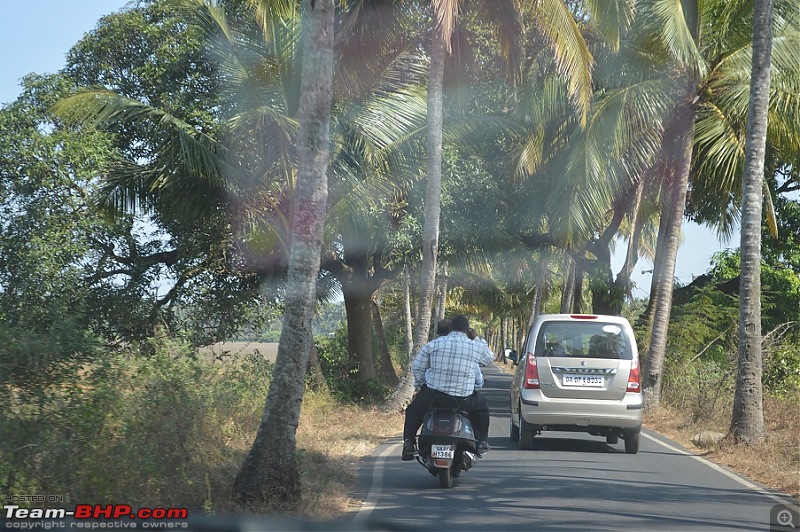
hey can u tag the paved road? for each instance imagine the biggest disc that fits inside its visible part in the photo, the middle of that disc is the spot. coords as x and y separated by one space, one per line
567 482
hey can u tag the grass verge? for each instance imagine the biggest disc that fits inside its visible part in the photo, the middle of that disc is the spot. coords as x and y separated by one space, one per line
774 462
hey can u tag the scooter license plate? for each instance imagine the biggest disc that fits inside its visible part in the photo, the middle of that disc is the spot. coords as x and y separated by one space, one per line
442 451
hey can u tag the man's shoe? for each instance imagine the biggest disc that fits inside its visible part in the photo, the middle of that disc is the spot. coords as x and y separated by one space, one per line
482 447
409 450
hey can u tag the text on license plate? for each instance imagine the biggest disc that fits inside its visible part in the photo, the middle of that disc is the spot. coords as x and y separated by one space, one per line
442 451
583 380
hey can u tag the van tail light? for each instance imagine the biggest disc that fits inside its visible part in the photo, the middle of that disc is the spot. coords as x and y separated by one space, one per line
531 381
634 378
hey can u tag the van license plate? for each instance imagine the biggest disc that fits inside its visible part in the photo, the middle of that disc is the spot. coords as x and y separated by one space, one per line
442 451
583 380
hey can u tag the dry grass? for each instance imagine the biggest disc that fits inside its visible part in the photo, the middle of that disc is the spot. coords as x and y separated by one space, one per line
775 462
332 439
234 350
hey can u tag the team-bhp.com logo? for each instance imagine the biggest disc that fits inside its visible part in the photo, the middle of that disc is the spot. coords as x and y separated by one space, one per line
159 517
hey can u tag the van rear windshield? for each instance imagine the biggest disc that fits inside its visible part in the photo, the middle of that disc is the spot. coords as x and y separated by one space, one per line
582 339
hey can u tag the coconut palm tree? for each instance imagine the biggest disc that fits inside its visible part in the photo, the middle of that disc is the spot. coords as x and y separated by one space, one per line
247 170
711 48
747 422
270 472
377 121
561 34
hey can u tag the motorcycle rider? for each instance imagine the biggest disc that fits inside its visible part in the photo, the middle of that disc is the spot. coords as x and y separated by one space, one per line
443 328
452 361
473 335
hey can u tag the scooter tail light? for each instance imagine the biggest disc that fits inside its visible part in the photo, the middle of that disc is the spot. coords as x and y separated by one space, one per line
531 381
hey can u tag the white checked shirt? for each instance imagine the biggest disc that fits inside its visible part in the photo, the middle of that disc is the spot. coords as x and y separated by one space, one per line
453 360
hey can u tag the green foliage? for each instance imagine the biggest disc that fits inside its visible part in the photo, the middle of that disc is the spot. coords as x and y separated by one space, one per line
172 428
703 389
782 370
341 371
700 371
780 285
329 318
49 353
707 323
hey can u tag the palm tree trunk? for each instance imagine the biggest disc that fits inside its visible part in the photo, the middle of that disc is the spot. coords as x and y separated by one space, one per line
540 291
433 207
678 148
318 381
658 267
568 293
500 352
270 474
747 421
623 280
409 320
433 191
577 302
441 294
534 306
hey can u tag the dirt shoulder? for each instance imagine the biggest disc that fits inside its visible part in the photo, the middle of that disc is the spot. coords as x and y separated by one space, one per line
774 463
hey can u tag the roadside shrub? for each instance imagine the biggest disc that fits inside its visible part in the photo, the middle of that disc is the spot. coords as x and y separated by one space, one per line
782 370
701 389
341 371
161 430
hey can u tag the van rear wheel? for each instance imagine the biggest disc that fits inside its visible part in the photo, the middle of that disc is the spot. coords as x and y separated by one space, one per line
526 433
632 443
514 431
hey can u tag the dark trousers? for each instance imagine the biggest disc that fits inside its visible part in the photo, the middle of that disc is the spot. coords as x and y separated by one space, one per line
475 405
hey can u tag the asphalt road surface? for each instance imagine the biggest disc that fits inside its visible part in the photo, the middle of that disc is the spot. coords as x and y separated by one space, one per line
569 481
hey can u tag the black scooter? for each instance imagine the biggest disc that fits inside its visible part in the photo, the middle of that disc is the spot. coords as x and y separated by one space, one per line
447 444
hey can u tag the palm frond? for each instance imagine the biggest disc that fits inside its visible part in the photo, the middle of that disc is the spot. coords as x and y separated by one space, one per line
185 162
373 45
572 56
504 17
271 13
719 148
677 34
612 18
446 13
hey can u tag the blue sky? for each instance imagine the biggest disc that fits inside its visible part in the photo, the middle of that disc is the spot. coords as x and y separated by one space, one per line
35 36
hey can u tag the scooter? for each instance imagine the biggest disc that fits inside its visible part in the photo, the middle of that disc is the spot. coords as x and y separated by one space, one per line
447 444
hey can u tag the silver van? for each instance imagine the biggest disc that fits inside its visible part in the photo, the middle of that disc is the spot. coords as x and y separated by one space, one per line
578 373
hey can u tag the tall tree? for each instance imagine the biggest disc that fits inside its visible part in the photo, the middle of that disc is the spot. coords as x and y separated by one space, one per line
713 49
270 472
445 12
562 35
747 421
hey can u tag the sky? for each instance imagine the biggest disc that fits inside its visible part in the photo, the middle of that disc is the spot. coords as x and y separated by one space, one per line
35 36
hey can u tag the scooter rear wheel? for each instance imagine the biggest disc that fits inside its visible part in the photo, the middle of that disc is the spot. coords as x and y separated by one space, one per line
445 478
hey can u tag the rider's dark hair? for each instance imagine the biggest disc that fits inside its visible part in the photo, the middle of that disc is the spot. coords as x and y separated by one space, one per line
443 327
460 323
